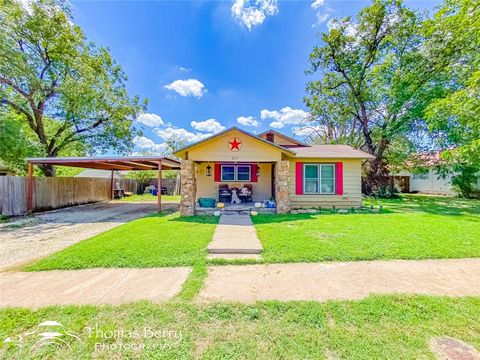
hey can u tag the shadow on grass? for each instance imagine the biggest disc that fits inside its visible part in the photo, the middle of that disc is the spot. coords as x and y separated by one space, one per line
278 218
427 204
202 219
436 205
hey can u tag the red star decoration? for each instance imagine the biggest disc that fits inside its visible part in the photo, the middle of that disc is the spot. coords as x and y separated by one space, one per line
235 145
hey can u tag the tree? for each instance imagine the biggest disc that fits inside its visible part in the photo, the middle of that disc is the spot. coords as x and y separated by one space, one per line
67 90
453 37
15 144
376 81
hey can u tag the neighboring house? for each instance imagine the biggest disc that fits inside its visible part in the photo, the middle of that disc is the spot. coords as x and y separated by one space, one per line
275 166
426 182
423 177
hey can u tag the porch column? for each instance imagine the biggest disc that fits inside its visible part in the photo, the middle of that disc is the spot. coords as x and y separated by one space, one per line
282 186
159 186
30 188
188 188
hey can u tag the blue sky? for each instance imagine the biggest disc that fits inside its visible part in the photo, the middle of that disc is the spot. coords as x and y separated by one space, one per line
207 65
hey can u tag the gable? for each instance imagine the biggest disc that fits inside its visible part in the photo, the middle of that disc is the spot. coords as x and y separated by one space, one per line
218 148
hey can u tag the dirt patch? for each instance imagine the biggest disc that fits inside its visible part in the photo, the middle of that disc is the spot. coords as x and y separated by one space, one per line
448 348
32 237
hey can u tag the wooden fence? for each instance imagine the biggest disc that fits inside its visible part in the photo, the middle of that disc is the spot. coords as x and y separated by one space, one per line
57 192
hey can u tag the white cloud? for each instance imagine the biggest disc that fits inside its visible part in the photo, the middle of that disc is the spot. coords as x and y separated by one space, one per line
210 126
180 133
247 121
184 69
145 143
150 119
317 3
321 15
190 87
321 18
286 116
253 12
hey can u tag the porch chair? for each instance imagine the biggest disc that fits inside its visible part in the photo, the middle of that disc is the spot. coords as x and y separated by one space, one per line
224 193
248 196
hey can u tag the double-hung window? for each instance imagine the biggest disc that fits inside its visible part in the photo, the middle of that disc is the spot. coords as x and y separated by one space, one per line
228 173
243 172
236 173
318 178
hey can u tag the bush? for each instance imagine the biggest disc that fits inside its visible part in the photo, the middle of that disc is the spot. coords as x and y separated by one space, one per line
386 192
464 183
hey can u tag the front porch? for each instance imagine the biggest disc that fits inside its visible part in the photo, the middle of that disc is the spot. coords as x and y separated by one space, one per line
234 209
266 180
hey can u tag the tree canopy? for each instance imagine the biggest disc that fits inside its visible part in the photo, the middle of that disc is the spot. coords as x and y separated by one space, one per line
387 78
68 92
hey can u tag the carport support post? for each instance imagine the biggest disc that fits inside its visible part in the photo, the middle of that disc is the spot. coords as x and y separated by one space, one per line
159 186
112 188
30 185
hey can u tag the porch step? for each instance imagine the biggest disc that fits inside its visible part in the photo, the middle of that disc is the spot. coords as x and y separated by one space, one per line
235 234
234 256
230 211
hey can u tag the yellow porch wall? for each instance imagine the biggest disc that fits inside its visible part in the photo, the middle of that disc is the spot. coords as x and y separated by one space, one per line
207 187
217 150
352 186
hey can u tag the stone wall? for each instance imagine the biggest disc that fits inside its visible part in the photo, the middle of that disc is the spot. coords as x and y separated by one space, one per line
188 188
282 186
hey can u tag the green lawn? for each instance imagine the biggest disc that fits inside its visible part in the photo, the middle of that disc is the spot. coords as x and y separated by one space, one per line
153 241
378 327
150 198
412 227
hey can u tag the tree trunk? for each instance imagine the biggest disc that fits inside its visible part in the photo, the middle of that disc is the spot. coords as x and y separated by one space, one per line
48 170
376 174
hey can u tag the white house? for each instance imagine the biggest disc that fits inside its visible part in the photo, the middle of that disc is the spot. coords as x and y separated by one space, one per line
426 180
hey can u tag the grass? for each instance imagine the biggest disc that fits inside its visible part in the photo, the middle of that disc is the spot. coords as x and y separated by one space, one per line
412 227
153 241
150 198
378 327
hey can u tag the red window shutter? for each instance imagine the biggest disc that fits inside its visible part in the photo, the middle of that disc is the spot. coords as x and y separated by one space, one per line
217 173
253 172
299 178
339 177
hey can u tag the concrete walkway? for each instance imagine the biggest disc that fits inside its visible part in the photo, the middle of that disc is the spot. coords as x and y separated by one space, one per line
92 286
341 280
235 238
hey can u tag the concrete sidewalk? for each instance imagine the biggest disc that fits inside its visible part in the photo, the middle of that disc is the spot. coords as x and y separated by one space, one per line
341 280
91 286
235 237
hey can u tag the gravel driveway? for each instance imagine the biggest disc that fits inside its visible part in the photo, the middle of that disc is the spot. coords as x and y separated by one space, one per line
32 237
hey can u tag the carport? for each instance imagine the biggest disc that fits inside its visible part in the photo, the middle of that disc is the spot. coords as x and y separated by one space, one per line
113 164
